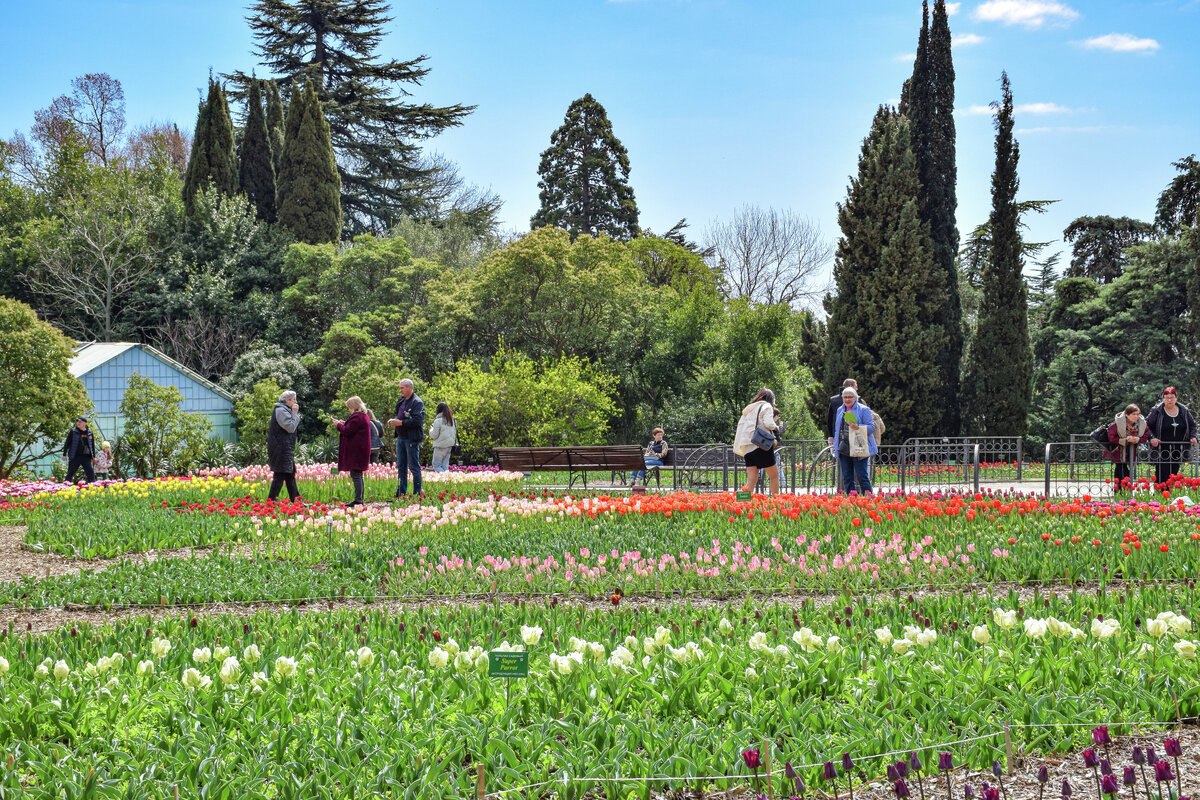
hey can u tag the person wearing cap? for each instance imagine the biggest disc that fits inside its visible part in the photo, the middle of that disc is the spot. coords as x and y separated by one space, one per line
1172 430
79 450
102 463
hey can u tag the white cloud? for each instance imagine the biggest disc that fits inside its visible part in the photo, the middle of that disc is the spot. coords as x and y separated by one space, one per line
906 58
964 39
1079 129
1029 13
1021 108
1121 43
977 110
952 9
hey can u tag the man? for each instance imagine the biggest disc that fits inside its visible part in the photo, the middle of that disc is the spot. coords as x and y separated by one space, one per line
409 424
79 450
281 445
835 403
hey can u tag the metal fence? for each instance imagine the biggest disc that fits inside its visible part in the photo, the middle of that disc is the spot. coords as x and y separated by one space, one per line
1082 466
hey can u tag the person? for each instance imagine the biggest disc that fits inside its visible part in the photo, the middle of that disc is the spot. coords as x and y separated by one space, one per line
354 445
780 428
835 402
855 470
376 437
443 435
758 414
78 451
102 463
653 456
281 445
409 423
1172 427
1127 431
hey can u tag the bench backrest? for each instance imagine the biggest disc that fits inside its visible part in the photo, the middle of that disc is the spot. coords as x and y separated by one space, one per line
581 459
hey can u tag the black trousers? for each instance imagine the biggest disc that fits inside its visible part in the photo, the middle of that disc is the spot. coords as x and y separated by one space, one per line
360 485
81 461
277 481
1121 472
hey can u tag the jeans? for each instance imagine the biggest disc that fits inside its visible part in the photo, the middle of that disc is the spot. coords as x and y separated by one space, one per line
360 486
408 458
640 474
855 474
84 462
277 481
441 459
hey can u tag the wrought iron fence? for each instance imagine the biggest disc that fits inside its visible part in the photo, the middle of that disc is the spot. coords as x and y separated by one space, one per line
1082 467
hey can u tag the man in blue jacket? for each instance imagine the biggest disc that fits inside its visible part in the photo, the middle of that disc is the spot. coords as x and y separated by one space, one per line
409 424
78 451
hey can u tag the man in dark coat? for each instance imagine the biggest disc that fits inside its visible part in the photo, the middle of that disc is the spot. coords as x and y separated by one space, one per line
281 445
78 451
409 424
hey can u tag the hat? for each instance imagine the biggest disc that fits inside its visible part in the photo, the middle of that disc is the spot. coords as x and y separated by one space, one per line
103 445
81 419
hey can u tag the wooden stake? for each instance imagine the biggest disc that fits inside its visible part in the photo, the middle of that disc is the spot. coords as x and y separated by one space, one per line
479 793
1008 747
766 759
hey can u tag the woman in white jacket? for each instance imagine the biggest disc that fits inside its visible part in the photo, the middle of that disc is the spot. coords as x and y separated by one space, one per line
759 414
442 435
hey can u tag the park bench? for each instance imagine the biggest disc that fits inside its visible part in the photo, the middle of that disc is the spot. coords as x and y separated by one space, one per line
610 458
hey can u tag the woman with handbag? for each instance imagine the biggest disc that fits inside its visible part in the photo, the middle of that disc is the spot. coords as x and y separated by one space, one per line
443 436
1127 431
755 440
854 436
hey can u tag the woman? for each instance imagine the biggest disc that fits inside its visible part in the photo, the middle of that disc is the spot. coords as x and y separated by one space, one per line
653 456
1172 428
758 416
354 445
1127 432
102 463
852 416
443 435
376 437
281 445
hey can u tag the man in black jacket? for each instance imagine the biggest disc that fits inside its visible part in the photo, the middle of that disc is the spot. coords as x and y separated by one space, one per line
409 424
835 403
79 450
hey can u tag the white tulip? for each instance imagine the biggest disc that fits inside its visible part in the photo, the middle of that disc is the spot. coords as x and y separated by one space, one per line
221 653
901 646
258 682
623 655
159 648
366 658
201 655
751 675
1007 620
61 670
884 635
758 642
285 667
1058 627
191 679
251 654
981 634
631 644
3 666
782 653
231 670
725 627
1156 627
597 651
41 673
662 636
451 647
463 663
834 644
531 635
438 658
1180 624
911 632
145 668
927 637
1185 648
576 645
649 647
1036 628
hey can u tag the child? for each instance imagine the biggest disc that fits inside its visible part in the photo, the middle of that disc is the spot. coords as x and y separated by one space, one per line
103 461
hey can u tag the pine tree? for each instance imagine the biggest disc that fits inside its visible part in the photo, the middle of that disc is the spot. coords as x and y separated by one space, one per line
307 188
584 177
275 123
375 133
212 160
1000 364
881 326
256 167
928 101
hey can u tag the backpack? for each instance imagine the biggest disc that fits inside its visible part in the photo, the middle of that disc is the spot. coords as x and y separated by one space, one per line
1100 436
880 428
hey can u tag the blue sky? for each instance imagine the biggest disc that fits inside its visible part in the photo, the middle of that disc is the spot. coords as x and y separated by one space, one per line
719 102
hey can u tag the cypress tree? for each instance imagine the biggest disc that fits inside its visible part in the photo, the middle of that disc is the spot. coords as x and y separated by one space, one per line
275 122
212 160
584 176
256 167
308 187
881 326
928 101
1000 364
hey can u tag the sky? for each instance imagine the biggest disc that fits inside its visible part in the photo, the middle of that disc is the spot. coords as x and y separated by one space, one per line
720 103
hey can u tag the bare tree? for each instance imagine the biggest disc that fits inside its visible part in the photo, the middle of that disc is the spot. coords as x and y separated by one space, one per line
164 137
770 256
91 258
95 108
209 345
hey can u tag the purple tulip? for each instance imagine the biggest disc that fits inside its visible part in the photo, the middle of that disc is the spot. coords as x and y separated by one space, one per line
1100 735
1090 759
968 792
1139 756
1043 774
996 768
753 758
901 788
945 762
914 762
1151 756
1162 771
1129 776
1108 784
1066 789
1172 747
830 771
902 768
847 763
991 793
893 774
789 771
1105 767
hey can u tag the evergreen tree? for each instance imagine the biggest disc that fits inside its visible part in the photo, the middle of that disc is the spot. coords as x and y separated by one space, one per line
881 325
307 189
585 177
928 101
256 167
1098 245
375 133
275 124
1000 364
212 160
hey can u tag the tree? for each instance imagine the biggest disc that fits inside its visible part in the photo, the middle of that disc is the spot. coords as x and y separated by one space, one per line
584 177
263 361
1000 364
212 161
147 142
374 376
1099 244
256 165
253 411
769 256
882 326
275 123
374 129
308 187
39 395
1179 204
930 108
95 108
160 438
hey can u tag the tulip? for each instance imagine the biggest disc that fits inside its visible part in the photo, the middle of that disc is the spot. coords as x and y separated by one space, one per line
830 772
1162 772
1172 747
1139 755
1108 784
1129 776
914 762
902 768
901 788
1100 735
1090 759
991 793
848 763
892 774
996 770
968 792
1105 767
753 758
1043 775
1066 789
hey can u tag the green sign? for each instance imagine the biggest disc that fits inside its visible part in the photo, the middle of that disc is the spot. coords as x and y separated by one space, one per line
508 664
742 497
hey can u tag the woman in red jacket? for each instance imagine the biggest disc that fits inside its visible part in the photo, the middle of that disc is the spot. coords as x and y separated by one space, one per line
354 445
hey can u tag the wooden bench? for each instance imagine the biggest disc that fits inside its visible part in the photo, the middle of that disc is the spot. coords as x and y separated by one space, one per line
611 458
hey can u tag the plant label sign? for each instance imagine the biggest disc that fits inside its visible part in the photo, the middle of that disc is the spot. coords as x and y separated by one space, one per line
742 497
507 664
